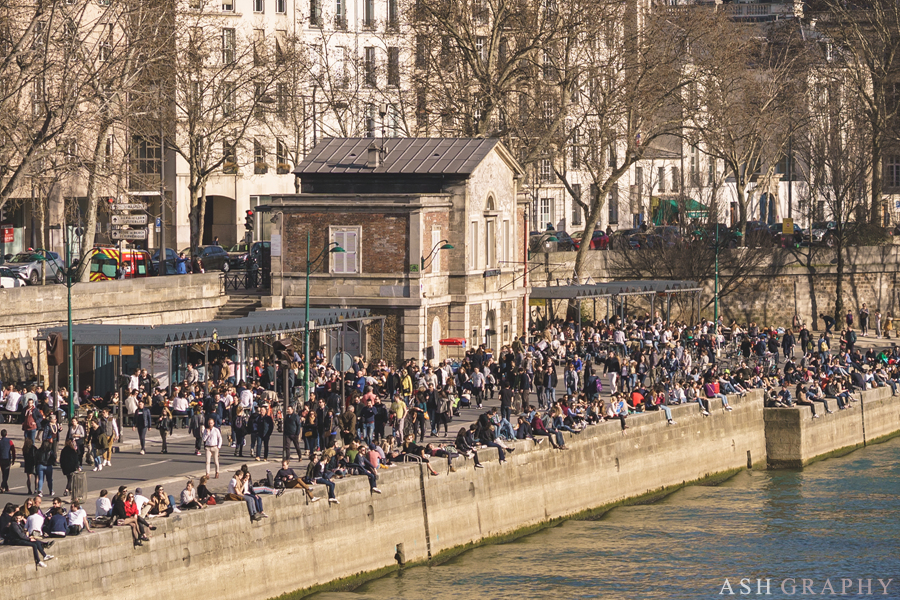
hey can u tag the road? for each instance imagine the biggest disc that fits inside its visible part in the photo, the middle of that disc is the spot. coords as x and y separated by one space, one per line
131 468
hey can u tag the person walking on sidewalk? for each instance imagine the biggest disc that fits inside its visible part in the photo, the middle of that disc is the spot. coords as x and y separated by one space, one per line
46 460
164 426
7 459
212 440
142 422
196 427
111 427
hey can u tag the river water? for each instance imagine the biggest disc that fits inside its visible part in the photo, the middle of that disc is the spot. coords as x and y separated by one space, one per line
833 523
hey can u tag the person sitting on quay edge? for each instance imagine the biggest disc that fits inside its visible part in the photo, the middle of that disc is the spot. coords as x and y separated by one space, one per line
17 536
288 478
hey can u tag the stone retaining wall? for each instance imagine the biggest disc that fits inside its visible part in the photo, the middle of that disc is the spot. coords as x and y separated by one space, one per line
420 517
794 439
305 545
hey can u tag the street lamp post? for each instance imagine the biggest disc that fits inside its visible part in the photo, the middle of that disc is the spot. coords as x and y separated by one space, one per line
441 245
71 345
716 290
333 248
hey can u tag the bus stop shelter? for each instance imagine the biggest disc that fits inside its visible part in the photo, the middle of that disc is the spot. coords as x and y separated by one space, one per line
617 294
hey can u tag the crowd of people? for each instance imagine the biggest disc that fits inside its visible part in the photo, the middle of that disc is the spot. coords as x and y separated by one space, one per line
561 377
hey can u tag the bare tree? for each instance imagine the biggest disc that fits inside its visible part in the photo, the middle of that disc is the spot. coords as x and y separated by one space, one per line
835 160
483 66
627 108
135 43
220 91
863 41
48 63
741 103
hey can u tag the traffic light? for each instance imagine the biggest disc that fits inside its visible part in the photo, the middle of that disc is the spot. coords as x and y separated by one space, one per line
248 221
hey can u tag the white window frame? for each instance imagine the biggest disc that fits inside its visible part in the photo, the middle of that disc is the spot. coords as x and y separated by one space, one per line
490 243
545 212
506 243
227 5
436 257
337 262
473 245
229 45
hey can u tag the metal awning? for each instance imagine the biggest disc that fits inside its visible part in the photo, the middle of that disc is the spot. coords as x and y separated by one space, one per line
256 324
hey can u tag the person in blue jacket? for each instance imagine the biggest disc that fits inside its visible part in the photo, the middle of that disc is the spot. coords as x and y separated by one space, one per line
181 264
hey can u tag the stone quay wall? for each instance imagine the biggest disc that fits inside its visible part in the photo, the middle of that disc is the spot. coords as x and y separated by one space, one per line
794 439
304 546
418 516
784 283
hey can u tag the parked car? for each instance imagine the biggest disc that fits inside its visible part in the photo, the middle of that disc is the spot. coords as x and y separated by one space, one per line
758 234
208 258
728 237
819 229
171 257
621 239
665 236
785 241
10 278
857 234
599 240
539 241
564 243
239 257
28 265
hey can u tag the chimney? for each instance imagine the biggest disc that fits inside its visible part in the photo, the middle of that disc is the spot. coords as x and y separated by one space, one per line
373 156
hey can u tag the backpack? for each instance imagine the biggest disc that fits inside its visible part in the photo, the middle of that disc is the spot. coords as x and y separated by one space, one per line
598 385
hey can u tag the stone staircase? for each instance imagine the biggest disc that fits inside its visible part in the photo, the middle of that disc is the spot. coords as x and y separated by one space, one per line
238 306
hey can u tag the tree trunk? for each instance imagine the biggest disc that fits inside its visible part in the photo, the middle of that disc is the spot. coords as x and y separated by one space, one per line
202 219
194 216
590 226
90 228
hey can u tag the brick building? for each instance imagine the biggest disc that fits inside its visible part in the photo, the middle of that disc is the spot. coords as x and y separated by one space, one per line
394 205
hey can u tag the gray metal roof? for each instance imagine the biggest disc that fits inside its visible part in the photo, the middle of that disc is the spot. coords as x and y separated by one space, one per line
255 324
612 288
419 156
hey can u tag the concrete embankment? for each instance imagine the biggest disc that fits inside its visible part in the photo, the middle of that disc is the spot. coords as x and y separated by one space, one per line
794 439
418 517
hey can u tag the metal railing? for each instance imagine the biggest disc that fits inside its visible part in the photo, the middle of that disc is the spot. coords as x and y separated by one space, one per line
252 279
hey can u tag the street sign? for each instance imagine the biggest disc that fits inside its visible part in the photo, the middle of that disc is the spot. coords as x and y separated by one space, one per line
342 361
787 227
124 351
121 206
128 234
129 219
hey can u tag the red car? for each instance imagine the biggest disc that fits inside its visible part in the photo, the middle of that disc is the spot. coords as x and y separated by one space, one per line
599 241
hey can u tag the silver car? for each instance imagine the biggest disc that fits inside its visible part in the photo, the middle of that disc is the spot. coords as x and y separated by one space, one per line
28 266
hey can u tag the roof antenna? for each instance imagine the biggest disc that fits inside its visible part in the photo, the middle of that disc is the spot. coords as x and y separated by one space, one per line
382 112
